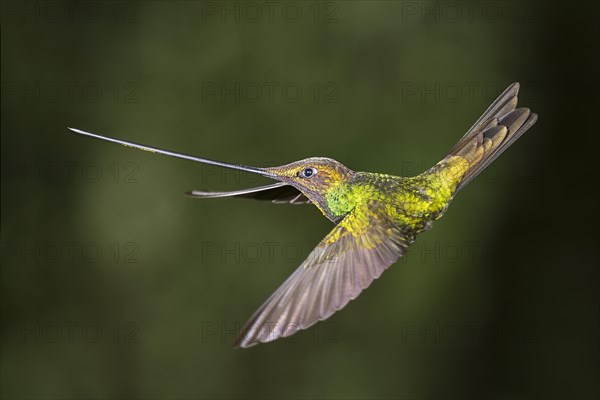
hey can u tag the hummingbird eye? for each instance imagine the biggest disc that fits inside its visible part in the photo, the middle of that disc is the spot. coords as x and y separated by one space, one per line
308 172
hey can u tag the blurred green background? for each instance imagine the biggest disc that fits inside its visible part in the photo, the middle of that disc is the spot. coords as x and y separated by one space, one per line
114 284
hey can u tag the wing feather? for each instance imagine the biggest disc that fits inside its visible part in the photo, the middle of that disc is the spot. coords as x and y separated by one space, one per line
346 261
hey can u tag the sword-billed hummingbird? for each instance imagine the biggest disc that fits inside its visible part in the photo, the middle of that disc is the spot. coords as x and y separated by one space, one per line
376 216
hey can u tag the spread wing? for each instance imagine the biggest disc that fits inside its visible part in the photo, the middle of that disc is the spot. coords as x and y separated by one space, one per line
347 260
279 192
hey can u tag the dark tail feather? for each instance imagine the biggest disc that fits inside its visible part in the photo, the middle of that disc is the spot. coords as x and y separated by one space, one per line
499 126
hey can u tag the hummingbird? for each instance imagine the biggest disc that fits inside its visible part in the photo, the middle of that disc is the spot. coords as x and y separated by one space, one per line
376 216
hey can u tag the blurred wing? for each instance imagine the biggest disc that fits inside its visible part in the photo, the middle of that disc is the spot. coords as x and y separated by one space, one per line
347 260
277 193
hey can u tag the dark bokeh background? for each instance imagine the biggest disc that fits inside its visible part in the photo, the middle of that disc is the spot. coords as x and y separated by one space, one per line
114 284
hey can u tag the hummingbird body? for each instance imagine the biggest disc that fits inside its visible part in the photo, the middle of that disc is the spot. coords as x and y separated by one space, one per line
377 216
411 202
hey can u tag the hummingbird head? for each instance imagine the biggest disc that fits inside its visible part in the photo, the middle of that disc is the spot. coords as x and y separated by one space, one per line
314 177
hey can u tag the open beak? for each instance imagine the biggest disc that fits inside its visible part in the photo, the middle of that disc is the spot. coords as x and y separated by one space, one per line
277 192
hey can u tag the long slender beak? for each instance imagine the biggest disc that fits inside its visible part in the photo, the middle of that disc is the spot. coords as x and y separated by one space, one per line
239 167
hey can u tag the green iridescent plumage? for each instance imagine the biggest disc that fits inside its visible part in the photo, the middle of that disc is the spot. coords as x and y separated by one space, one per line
409 202
377 216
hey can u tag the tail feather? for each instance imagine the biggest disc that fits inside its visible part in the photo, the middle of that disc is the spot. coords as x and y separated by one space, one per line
499 126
